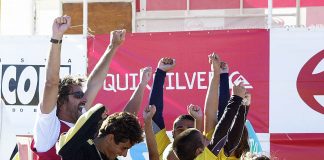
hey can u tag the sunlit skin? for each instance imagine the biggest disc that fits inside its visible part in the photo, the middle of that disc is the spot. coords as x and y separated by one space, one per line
181 126
71 110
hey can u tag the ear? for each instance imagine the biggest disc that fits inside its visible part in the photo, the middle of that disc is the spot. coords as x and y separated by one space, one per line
199 151
110 139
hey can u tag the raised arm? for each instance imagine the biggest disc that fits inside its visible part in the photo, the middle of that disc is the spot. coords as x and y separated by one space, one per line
224 92
222 129
134 103
211 101
60 25
150 137
236 132
99 73
196 113
156 97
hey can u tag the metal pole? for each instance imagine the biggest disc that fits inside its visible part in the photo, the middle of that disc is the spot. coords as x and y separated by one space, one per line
85 18
188 5
269 14
134 16
85 32
298 13
241 7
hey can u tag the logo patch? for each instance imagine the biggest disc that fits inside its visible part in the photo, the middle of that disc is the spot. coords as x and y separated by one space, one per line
310 82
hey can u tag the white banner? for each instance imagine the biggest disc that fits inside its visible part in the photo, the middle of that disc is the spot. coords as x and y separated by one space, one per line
296 105
22 78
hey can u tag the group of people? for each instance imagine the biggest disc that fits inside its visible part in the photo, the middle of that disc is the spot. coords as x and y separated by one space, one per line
69 126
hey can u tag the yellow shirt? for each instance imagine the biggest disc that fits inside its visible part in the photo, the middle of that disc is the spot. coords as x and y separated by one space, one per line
162 141
208 155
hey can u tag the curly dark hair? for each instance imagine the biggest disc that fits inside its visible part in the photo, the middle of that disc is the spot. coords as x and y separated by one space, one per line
124 126
65 87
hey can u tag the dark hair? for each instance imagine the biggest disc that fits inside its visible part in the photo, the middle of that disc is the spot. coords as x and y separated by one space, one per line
262 157
183 117
124 126
186 144
65 87
243 146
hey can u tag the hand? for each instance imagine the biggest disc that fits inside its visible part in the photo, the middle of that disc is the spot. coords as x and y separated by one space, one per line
247 99
239 90
117 37
195 111
60 25
166 64
224 67
214 60
145 75
149 112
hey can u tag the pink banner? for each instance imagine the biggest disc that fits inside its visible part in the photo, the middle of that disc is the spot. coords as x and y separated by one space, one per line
246 52
294 146
221 4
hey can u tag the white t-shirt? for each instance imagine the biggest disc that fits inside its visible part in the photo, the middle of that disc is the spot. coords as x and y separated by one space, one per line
47 130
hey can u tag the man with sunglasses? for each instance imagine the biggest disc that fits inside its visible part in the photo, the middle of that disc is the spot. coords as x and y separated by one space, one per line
63 100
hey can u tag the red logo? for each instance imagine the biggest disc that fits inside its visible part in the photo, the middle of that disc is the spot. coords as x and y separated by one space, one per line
310 82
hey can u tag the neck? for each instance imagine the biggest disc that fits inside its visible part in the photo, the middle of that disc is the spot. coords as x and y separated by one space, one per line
65 118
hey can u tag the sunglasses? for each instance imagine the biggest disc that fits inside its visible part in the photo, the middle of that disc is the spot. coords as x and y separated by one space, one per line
78 94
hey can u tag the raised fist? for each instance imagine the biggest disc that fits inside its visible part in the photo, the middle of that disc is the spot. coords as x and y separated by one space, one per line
60 25
117 37
145 75
195 111
149 112
166 64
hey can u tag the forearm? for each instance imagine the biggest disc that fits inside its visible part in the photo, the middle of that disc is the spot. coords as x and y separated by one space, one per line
156 97
199 124
150 141
235 134
211 103
222 128
224 94
52 79
53 64
134 103
98 75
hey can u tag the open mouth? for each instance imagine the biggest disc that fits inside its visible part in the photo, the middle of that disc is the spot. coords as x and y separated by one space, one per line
81 107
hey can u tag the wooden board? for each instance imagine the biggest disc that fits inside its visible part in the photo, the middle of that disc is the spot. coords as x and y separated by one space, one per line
102 17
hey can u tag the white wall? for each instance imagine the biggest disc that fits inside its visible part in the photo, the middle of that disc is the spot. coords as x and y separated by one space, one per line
17 17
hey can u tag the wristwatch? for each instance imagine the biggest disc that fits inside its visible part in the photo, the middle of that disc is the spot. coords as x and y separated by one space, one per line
55 41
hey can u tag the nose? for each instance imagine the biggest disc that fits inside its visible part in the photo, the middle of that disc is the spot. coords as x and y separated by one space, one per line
84 99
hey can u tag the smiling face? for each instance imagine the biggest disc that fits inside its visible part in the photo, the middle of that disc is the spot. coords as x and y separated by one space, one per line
70 98
71 110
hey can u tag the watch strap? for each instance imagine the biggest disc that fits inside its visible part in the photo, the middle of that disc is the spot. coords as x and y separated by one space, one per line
55 41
